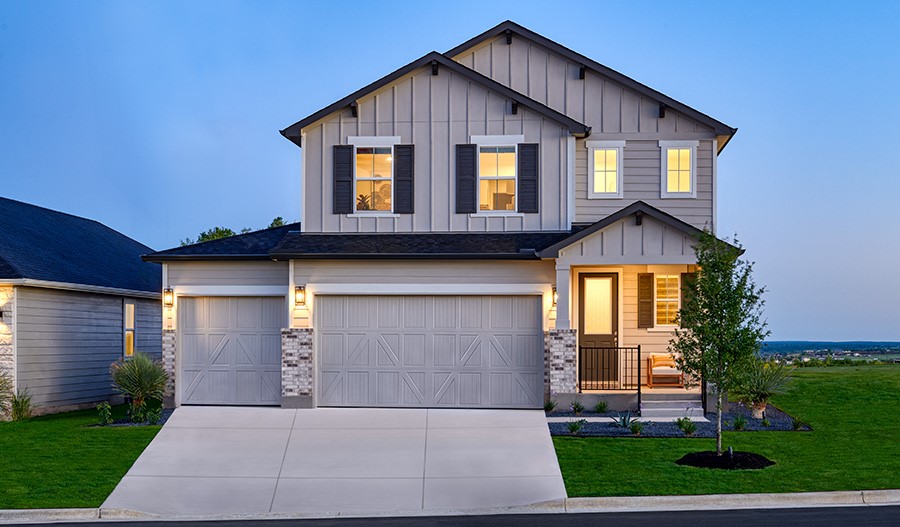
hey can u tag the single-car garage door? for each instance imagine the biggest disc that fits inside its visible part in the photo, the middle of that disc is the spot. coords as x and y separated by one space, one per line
430 351
230 350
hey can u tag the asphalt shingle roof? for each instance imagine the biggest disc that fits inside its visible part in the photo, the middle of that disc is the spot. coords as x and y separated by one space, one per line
253 245
43 244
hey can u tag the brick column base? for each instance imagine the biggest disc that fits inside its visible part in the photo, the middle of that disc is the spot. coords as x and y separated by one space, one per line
297 368
7 350
560 356
168 360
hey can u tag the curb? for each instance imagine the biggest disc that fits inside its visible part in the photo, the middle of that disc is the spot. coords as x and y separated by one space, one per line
853 498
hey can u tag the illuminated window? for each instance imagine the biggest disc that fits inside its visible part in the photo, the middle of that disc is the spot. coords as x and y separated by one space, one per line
374 178
668 296
605 169
128 327
679 169
497 178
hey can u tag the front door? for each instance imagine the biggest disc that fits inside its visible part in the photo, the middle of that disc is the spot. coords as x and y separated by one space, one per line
598 333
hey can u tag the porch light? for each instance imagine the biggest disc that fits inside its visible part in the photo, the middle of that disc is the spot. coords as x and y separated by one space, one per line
168 297
300 295
555 296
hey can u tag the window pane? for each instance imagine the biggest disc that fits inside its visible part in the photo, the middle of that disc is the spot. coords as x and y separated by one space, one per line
497 194
383 166
684 159
486 190
605 164
365 159
598 306
487 159
129 316
364 191
506 162
129 343
666 313
382 195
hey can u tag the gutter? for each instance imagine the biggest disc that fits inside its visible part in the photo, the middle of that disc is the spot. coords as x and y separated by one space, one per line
84 288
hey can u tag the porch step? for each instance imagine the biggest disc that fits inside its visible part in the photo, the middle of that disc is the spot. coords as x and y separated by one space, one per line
671 405
648 396
670 413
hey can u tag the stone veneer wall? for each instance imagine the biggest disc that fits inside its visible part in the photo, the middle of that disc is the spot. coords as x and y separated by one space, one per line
168 360
7 338
560 356
297 368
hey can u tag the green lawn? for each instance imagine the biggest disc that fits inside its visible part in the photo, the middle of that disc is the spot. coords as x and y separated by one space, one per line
855 414
55 461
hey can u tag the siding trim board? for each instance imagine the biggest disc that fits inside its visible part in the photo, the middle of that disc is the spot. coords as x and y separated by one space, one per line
84 288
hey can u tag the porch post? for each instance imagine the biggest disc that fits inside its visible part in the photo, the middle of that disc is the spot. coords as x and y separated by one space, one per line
560 352
563 283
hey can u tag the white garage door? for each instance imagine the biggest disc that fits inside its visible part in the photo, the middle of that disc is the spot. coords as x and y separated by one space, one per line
230 350
430 351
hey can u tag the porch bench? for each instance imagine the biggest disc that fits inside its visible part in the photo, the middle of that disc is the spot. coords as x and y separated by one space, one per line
663 367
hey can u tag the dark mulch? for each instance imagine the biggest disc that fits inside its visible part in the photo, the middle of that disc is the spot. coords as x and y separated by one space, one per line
778 421
128 422
727 461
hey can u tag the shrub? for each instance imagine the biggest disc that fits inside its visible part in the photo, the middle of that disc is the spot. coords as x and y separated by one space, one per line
104 413
739 422
576 426
686 425
766 423
797 424
623 421
6 392
763 379
577 408
549 406
601 407
21 407
154 416
140 378
636 427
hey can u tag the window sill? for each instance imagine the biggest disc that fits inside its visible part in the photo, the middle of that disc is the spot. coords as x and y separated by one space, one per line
373 215
497 215
601 196
662 329
678 195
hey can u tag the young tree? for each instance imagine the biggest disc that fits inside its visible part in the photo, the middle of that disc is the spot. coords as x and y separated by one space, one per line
721 329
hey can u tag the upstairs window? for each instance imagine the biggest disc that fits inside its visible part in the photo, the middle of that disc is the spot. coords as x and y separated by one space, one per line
374 178
668 298
605 169
679 169
497 178
128 329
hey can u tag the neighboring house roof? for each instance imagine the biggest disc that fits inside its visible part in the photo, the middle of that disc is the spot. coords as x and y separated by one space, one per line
502 245
39 244
719 127
251 246
292 132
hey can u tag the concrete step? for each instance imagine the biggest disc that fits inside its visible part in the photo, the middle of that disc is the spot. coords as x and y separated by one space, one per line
671 404
678 396
670 413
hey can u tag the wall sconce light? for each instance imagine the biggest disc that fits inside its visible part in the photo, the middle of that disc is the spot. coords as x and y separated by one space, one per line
168 297
2 315
555 296
300 295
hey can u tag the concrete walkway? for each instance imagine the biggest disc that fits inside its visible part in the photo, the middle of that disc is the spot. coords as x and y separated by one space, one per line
251 461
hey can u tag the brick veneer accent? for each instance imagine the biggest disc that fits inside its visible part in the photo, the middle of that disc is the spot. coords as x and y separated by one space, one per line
560 374
168 360
7 349
297 367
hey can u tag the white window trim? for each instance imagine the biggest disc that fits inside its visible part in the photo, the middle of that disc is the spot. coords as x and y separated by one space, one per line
664 327
373 142
125 327
664 168
619 146
498 140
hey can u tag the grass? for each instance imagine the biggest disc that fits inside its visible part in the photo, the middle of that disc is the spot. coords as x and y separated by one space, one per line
856 425
56 461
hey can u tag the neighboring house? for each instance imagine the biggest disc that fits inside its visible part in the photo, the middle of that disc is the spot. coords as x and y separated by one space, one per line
74 297
489 227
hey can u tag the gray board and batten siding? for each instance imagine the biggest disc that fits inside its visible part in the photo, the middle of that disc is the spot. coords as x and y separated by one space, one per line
66 341
435 113
614 112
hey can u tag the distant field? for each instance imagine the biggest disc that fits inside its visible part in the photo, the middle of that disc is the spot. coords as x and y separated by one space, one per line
783 347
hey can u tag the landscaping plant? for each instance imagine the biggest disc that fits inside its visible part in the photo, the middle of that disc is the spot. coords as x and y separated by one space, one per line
104 413
636 427
739 423
623 421
721 327
766 423
762 380
154 415
549 406
577 408
686 425
576 426
20 406
140 378
6 392
601 407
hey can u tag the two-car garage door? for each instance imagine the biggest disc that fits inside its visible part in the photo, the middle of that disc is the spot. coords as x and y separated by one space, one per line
390 351
430 351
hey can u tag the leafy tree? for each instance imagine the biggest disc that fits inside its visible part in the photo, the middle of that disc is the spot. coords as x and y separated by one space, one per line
277 222
721 329
216 233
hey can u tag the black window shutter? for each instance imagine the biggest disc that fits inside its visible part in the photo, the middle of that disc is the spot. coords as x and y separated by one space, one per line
343 179
466 178
645 300
404 179
529 177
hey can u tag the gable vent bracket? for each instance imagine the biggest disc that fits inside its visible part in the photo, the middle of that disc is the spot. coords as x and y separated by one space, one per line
508 37
354 109
515 107
581 71
662 111
434 67
638 218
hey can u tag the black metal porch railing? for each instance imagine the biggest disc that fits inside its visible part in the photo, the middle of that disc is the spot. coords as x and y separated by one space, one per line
616 368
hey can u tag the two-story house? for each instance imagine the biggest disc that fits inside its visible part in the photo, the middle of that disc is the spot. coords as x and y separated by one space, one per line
489 227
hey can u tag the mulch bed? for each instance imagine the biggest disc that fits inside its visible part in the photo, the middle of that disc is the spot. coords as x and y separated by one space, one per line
779 421
727 461
127 422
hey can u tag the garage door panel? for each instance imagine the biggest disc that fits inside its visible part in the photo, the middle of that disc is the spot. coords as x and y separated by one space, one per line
230 350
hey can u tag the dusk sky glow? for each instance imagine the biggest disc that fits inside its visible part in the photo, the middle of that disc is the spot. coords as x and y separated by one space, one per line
160 119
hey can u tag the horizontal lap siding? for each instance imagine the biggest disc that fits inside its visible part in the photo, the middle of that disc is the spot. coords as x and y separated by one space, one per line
434 113
227 273
423 272
148 327
66 342
651 341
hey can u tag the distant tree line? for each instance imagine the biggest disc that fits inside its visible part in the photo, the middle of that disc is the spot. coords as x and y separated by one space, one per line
216 233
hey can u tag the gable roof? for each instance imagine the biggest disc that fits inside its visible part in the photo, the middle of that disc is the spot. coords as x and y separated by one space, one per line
292 132
638 207
46 245
250 246
719 127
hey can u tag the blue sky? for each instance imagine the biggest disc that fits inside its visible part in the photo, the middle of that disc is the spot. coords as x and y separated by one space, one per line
106 108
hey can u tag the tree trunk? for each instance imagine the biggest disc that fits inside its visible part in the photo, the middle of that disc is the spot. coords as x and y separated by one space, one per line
718 421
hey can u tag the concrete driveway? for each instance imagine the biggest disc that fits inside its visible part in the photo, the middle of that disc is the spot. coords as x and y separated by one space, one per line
229 460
